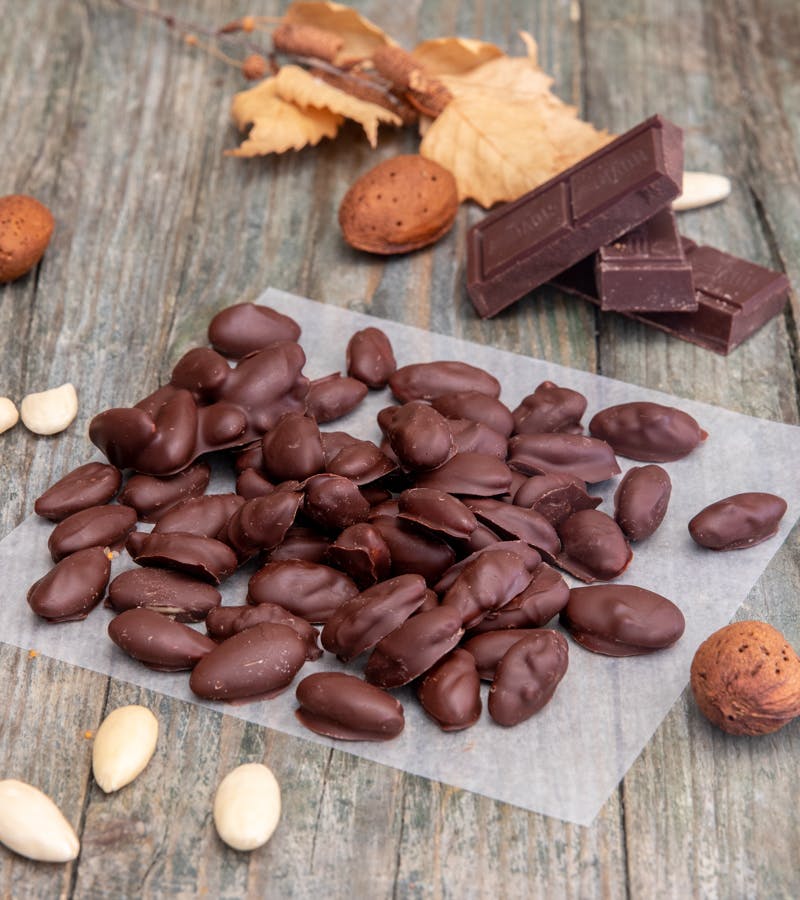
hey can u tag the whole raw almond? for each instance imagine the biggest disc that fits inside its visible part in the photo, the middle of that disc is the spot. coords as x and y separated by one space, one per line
247 806
401 204
123 746
33 826
25 229
701 189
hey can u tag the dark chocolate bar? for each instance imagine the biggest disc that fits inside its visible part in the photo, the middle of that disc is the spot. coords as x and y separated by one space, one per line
525 243
734 298
646 270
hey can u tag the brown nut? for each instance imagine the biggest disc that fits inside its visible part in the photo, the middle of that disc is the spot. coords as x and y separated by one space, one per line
746 679
401 204
25 229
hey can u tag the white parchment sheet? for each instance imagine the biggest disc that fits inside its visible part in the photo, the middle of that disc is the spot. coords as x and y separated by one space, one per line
567 759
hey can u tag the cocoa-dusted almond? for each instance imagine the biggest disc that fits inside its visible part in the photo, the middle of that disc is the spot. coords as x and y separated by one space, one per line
401 204
255 664
97 526
91 485
170 593
343 706
157 641
70 590
370 357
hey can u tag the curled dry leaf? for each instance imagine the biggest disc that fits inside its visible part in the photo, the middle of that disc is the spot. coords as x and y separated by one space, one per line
454 55
504 132
360 36
277 124
300 87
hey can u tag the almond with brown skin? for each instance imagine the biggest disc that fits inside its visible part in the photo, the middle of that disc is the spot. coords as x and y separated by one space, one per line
400 205
746 679
25 229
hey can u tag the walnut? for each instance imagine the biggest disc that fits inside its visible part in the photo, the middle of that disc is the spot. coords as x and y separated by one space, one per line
746 679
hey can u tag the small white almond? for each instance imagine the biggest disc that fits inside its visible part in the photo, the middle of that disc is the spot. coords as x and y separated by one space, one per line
49 412
701 189
8 414
123 746
247 806
33 826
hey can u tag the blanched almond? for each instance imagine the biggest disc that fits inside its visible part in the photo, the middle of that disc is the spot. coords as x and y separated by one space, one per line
123 746
33 826
49 412
9 415
247 806
701 189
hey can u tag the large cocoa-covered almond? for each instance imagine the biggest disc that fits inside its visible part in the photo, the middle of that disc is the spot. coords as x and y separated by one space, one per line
262 523
334 502
152 496
647 431
245 327
471 474
334 396
292 448
411 551
201 557
343 706
306 589
255 664
426 381
91 485
401 204
736 522
554 496
362 553
595 548
70 590
530 557
157 641
550 408
588 458
489 648
170 593
97 526
517 522
370 357
419 436
450 693
204 516
478 407
225 621
544 597
437 511
487 584
641 500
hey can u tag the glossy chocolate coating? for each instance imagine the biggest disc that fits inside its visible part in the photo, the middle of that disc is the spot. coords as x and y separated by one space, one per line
227 408
310 590
451 692
292 448
225 621
362 553
527 676
480 539
648 431
205 516
621 620
171 594
517 523
370 357
550 408
244 327
343 706
157 641
71 589
437 511
419 436
201 557
555 496
529 556
424 381
334 502
360 622
97 526
152 496
487 584
641 500
91 485
361 461
478 407
489 648
473 474
262 523
254 664
475 437
334 396
251 484
414 647
249 457
595 548
300 542
737 522
412 551
544 597
589 459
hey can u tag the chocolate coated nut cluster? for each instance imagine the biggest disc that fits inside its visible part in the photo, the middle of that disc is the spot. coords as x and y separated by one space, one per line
429 559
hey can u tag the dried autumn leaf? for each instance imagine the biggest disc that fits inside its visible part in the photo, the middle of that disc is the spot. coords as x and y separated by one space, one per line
278 125
454 55
360 36
504 132
296 85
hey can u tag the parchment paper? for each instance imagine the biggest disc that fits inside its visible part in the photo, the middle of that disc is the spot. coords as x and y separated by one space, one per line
567 759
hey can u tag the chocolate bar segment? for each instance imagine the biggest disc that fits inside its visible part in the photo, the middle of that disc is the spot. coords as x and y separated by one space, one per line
734 298
646 270
525 243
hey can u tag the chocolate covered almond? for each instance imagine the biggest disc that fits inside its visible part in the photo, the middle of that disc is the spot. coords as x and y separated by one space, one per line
262 523
487 584
333 502
362 553
201 557
97 526
157 641
489 648
413 551
588 458
292 448
737 522
545 595
647 431
595 549
641 500
244 327
419 436
71 590
225 621
170 593
334 396
152 496
370 357
470 474
529 556
478 407
450 692
306 589
203 516
555 496
550 408
424 381
90 485
517 522
437 511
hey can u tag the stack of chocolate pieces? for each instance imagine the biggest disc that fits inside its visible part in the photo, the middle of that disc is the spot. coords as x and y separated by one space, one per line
604 230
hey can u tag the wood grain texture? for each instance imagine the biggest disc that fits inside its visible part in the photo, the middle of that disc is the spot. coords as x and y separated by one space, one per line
120 129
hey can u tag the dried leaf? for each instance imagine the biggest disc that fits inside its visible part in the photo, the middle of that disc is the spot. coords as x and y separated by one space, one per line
360 35
504 132
298 86
278 125
454 55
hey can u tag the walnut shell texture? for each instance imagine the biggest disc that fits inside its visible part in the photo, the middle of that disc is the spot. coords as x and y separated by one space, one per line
746 679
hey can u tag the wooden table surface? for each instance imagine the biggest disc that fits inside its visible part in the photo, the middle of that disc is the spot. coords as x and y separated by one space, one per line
119 129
